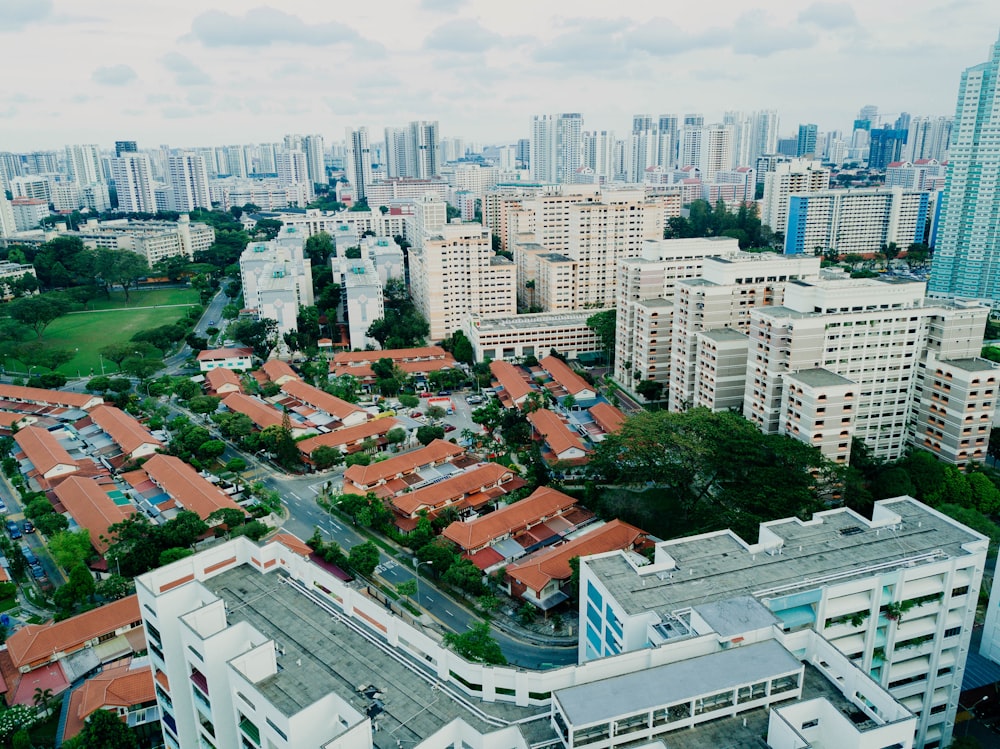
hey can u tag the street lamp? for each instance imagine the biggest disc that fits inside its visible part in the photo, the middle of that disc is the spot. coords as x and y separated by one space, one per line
416 574
971 712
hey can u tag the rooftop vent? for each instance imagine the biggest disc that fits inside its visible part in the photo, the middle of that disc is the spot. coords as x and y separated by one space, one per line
852 530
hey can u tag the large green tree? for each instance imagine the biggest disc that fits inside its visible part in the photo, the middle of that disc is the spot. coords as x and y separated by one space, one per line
38 312
104 730
476 644
604 324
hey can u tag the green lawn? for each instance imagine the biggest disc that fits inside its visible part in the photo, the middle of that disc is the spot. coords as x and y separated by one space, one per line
150 298
88 332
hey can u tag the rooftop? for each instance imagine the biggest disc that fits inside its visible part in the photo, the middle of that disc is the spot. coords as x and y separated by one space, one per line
319 399
92 508
348 436
324 655
510 379
533 320
564 375
125 430
215 354
819 377
608 418
796 555
543 503
275 369
435 452
558 435
260 413
724 334
975 364
50 397
43 449
186 486
435 495
365 357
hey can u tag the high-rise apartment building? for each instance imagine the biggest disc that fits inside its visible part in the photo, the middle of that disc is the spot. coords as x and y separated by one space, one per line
967 252
669 127
315 150
806 145
885 145
125 146
7 222
796 176
858 221
928 138
277 278
422 149
83 163
555 147
598 153
133 182
188 180
359 161
395 152
293 170
763 136
717 151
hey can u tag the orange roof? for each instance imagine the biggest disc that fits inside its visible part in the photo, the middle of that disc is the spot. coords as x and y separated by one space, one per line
542 504
557 433
10 418
218 354
293 543
49 397
92 508
439 494
115 687
348 436
34 643
553 563
510 379
320 399
608 418
260 413
186 487
220 377
565 376
127 433
436 452
43 449
363 371
396 354
275 369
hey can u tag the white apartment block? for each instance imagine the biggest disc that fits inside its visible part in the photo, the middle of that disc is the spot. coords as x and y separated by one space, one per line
545 280
133 178
912 363
720 369
644 328
8 224
818 407
293 169
879 607
385 192
497 201
471 178
386 256
267 194
857 221
188 180
277 278
28 212
313 221
83 164
725 295
513 337
363 301
555 147
717 151
796 176
65 196
258 646
30 186
454 273
12 271
154 240
923 174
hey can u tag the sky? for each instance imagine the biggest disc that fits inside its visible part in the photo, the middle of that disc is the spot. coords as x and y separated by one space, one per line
212 72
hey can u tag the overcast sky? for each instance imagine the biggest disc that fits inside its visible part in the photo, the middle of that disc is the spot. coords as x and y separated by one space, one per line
207 72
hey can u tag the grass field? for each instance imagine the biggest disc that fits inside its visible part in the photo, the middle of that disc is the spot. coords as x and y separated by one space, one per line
88 332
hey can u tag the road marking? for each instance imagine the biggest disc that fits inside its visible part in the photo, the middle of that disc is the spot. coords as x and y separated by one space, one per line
295 495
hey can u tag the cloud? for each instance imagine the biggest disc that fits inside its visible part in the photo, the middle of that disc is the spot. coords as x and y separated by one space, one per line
16 14
114 75
443 6
186 73
829 15
661 37
593 43
462 35
753 34
263 26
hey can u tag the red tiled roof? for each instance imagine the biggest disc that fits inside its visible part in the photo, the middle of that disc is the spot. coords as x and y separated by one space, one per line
436 452
220 377
397 354
260 413
565 376
510 379
49 397
218 354
320 399
275 369
350 435
43 449
9 418
437 495
364 371
126 431
293 543
537 571
34 643
556 432
186 487
114 687
543 503
92 508
608 418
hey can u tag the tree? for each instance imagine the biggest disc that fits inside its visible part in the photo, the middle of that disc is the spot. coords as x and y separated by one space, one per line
427 434
407 588
140 367
172 554
460 347
476 644
435 413
651 390
363 558
70 548
185 389
204 404
52 524
104 729
211 449
41 698
236 465
121 267
267 229
604 325
113 587
38 312
82 582
261 335
325 456
319 247
395 436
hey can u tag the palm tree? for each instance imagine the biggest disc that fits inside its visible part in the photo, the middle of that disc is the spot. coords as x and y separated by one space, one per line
530 286
42 698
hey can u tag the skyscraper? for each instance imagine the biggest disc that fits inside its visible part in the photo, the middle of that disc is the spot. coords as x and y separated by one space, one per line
967 253
555 146
125 146
395 152
885 146
313 147
188 182
133 182
669 128
422 149
84 164
807 140
359 161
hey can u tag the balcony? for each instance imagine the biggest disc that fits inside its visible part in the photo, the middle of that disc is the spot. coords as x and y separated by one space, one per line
199 680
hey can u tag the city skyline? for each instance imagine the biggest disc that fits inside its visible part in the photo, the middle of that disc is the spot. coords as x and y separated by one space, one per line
226 74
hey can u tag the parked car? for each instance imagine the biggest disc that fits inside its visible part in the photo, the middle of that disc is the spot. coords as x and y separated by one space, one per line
443 393
37 571
3 506
474 400
12 530
28 527
450 427
415 414
29 555
426 394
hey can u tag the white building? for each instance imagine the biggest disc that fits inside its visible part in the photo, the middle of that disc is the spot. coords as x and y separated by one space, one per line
717 151
422 149
28 212
796 176
314 149
154 240
133 178
358 162
293 169
894 596
277 278
8 224
513 337
363 300
83 164
555 147
188 180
